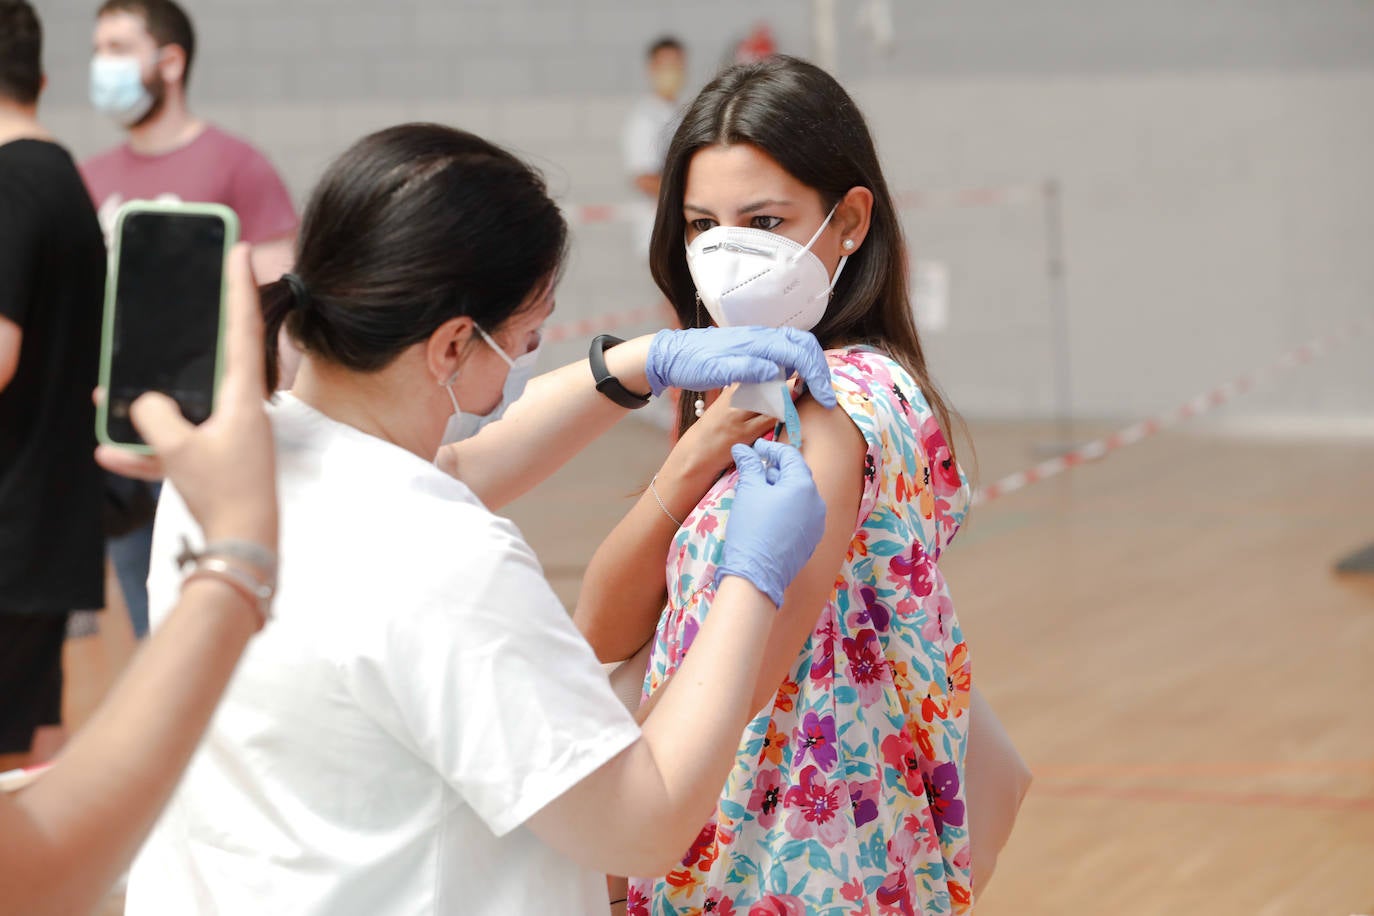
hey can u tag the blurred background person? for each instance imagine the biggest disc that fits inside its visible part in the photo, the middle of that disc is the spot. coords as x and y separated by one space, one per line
52 280
649 128
144 51
755 47
419 660
140 73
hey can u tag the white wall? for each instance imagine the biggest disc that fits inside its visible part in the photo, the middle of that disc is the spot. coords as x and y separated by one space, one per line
1216 163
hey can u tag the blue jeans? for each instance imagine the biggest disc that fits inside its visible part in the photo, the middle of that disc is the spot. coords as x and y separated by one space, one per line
129 553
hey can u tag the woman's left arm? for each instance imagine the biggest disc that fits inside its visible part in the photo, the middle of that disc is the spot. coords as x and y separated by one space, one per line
622 590
835 449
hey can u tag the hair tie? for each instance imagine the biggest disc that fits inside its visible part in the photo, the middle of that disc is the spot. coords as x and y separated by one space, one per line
300 299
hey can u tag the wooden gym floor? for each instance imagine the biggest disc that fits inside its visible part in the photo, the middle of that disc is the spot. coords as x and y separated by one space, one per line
1163 636
1161 633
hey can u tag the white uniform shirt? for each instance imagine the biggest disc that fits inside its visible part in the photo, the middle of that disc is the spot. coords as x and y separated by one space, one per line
418 696
644 145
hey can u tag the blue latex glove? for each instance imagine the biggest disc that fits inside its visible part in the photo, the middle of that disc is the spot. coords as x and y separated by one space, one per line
776 520
701 359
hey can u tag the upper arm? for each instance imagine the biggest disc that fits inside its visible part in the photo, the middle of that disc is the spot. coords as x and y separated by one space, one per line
565 823
11 336
834 450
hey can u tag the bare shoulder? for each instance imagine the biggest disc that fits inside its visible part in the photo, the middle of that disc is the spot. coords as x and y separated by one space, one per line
831 442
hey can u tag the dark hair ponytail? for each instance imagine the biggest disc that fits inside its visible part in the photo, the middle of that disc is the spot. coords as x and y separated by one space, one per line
801 117
276 305
410 227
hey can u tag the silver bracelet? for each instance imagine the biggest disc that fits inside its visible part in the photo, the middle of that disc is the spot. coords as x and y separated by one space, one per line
254 554
257 594
659 499
251 568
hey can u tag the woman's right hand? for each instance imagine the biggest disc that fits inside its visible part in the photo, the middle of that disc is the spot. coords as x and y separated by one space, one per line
225 469
776 520
703 452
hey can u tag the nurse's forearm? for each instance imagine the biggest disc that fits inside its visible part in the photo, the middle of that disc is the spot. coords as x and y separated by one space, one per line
559 415
651 800
66 838
694 729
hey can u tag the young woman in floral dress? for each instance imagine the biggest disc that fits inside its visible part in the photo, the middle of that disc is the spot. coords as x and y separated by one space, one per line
847 792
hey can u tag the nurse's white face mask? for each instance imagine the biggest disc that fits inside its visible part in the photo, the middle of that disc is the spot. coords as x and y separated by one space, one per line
463 425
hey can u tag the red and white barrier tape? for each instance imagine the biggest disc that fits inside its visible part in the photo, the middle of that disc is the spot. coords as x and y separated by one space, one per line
601 213
1134 433
1098 448
1010 195
598 324
591 214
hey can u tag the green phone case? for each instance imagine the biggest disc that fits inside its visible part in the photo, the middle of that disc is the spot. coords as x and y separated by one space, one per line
231 237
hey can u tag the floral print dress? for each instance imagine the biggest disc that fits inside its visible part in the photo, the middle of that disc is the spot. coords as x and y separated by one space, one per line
846 796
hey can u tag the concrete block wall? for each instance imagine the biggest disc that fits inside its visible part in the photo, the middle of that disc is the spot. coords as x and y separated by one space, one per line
1218 199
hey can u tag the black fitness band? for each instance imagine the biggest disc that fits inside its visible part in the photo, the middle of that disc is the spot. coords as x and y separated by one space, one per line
606 383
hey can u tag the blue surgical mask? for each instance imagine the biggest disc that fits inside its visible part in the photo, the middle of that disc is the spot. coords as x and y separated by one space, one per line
464 425
117 88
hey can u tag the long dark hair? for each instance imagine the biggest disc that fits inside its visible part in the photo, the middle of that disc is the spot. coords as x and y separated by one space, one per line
413 226
797 114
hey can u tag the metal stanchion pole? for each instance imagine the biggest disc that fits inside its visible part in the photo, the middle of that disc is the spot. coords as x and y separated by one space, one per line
1061 344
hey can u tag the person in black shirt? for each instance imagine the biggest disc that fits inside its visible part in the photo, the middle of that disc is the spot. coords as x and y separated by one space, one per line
52 277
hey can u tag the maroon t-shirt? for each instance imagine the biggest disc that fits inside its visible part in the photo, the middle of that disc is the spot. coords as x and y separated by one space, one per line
213 168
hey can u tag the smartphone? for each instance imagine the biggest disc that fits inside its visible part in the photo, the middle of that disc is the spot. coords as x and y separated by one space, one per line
164 312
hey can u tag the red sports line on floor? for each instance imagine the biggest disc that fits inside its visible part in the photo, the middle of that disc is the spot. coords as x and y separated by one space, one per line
600 324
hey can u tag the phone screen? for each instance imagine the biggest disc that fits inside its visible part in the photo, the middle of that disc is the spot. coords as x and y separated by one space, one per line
166 314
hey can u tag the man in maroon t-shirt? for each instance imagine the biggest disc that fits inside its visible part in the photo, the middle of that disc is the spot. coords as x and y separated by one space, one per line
143 54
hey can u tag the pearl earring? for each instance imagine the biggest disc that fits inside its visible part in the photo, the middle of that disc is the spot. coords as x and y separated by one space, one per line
699 406
848 244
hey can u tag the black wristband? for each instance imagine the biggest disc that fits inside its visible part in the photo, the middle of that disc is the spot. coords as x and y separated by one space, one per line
606 383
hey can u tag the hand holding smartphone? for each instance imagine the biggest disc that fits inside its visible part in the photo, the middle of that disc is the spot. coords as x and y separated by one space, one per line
224 469
164 312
